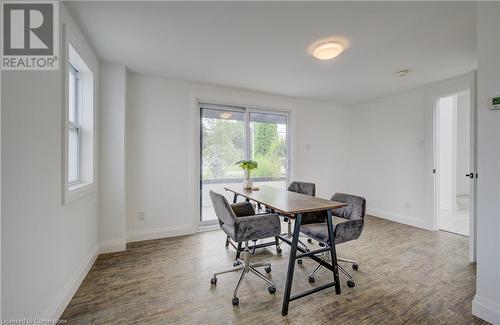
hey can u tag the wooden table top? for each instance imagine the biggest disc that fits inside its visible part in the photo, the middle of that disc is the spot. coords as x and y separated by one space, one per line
284 201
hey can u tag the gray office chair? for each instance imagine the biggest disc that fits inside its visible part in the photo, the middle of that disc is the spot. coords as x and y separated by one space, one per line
241 230
314 226
302 188
244 209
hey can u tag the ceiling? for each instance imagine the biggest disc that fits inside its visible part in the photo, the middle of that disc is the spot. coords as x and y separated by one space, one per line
263 46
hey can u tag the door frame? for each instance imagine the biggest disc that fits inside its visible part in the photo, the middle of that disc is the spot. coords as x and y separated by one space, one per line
472 89
247 109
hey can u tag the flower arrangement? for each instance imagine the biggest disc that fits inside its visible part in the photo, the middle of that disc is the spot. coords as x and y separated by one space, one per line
247 166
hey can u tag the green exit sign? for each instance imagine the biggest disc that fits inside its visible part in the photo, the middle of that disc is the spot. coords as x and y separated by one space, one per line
495 100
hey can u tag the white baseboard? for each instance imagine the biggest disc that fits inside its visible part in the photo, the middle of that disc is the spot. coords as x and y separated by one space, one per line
208 228
486 309
400 218
66 294
155 233
446 206
112 246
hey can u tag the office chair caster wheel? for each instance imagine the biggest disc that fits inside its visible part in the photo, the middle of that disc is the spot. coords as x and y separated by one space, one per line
236 301
299 262
271 290
355 267
279 250
311 279
268 269
309 240
350 284
235 264
213 281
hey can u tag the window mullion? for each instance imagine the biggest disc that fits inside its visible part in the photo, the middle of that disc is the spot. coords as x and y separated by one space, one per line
247 135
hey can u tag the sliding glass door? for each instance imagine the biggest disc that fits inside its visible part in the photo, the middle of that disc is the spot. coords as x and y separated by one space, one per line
229 134
268 146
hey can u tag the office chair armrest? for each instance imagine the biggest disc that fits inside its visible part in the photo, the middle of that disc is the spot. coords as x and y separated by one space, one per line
243 209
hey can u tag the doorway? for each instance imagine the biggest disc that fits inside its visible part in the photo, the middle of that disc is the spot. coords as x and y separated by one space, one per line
454 163
229 134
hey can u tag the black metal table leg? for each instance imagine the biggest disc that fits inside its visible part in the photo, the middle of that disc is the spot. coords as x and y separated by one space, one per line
329 222
235 198
291 264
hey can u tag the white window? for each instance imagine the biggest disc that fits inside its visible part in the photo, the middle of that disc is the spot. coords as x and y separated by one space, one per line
74 125
79 158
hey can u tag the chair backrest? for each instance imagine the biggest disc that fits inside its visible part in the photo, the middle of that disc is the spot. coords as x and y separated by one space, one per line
303 188
355 210
222 209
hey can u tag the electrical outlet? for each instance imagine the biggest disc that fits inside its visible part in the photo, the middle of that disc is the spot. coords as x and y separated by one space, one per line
140 216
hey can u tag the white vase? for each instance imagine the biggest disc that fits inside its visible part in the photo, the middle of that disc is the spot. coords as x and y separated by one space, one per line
247 184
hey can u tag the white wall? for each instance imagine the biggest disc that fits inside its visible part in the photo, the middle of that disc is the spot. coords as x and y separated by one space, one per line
486 303
162 155
47 248
112 225
391 164
463 143
447 151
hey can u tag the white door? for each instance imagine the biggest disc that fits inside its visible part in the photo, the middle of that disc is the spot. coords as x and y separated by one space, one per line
473 166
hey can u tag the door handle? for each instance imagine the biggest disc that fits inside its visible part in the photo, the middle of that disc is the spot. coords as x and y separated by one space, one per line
471 175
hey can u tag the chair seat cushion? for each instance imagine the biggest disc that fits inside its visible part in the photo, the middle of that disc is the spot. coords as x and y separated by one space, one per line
343 232
317 231
254 227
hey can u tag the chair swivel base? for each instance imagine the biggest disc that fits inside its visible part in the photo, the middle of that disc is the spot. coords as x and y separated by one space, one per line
350 281
245 267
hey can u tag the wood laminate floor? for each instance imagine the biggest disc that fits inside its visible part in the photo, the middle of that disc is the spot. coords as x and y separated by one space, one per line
406 276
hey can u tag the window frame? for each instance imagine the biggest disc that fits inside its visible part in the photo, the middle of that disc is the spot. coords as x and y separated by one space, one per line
78 54
246 110
77 124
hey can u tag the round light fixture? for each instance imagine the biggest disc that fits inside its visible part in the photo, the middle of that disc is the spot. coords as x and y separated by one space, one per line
402 72
327 50
225 115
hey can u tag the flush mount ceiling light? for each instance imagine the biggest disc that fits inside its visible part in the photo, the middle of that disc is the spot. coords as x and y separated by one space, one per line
402 72
327 50
225 115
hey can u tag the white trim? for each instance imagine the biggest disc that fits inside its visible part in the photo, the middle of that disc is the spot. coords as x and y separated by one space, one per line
113 246
467 82
202 228
156 233
78 191
473 167
486 309
446 206
399 218
73 43
66 294
247 110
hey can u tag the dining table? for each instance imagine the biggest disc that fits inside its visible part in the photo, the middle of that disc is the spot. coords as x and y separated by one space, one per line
295 205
